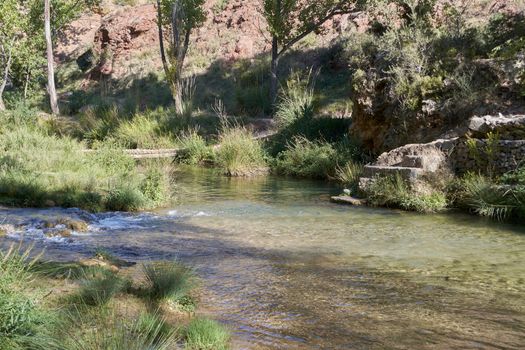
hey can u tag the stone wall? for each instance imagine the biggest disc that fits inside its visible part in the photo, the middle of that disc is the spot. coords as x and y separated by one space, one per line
508 155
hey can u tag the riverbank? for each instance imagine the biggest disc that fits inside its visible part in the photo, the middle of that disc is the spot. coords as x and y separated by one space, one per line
100 303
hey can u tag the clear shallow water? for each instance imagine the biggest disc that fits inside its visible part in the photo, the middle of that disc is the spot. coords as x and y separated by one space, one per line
285 269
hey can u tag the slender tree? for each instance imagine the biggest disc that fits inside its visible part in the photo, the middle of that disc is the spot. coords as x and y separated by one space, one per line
50 60
12 24
179 17
289 21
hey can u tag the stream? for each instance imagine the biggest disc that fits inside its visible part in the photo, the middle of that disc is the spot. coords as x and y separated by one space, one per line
284 268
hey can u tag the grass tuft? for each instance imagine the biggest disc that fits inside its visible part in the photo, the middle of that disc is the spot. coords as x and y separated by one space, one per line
238 153
204 334
167 281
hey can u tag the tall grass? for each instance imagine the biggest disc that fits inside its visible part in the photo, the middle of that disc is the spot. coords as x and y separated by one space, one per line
238 153
167 281
143 131
193 148
24 324
349 174
309 159
395 192
204 334
184 96
296 100
38 169
485 197
93 321
113 332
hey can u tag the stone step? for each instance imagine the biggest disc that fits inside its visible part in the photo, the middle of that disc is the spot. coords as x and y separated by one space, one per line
407 173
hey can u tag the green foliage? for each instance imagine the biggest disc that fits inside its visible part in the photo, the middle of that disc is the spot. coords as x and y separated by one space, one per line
297 100
142 131
220 5
193 148
304 158
289 19
485 152
395 192
194 15
167 281
156 185
238 153
204 334
23 322
485 197
38 169
98 288
155 328
111 332
349 174
125 198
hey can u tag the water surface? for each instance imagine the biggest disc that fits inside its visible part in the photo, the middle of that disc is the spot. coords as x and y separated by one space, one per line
285 269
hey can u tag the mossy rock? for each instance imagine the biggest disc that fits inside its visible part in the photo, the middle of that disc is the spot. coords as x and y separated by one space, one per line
59 233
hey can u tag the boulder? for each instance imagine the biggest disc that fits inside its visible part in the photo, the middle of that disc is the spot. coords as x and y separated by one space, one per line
509 127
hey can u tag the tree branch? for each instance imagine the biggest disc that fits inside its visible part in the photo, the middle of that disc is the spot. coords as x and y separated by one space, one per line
336 11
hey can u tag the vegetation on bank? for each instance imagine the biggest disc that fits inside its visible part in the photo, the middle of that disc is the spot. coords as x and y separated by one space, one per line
101 308
38 168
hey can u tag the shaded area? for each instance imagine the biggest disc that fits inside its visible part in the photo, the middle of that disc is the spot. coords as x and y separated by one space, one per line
286 269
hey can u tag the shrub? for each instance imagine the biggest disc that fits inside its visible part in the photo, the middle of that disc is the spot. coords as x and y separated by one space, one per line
169 280
155 186
304 158
238 153
203 334
395 192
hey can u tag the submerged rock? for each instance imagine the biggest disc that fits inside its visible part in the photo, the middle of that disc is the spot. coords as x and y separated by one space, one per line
59 233
344 199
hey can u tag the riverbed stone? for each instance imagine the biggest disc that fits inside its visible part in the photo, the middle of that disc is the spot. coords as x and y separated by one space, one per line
345 199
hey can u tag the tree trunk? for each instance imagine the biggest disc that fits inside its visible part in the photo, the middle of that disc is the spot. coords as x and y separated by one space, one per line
161 40
26 83
5 74
274 77
50 65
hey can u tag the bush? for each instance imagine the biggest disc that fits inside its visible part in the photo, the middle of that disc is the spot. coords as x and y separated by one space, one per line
203 334
304 158
238 153
395 192
156 186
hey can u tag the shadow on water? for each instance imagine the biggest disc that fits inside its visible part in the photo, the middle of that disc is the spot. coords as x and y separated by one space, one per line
286 269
